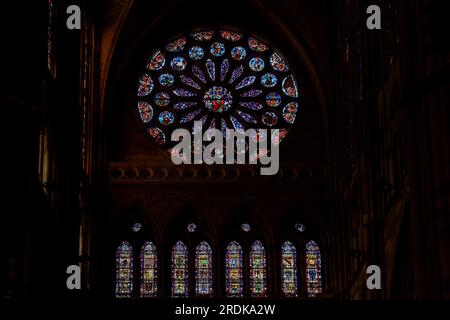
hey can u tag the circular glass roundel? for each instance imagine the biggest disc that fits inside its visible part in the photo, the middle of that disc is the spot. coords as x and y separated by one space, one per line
136 227
191 227
223 78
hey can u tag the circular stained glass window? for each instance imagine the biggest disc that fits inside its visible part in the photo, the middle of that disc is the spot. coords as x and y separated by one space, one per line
300 227
222 78
191 227
246 227
136 227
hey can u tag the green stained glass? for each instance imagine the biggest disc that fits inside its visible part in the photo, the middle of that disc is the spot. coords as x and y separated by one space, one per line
258 276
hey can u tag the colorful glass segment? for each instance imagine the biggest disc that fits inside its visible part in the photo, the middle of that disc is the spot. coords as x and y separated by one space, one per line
289 284
234 80
258 275
203 270
234 270
313 269
124 270
149 270
180 270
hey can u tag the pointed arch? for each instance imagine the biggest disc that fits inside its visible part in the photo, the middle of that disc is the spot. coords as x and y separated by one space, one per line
313 269
180 270
149 270
203 269
258 272
289 284
124 270
234 269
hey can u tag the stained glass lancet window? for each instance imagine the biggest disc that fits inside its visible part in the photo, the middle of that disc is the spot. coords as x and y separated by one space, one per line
50 34
234 269
180 270
289 270
313 269
203 269
258 275
149 270
124 270
223 78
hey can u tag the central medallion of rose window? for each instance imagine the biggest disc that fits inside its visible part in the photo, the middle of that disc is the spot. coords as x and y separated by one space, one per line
217 99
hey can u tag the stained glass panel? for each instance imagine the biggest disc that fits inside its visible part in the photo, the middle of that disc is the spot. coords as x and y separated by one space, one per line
149 270
124 270
258 276
313 269
289 270
180 274
234 270
233 79
203 269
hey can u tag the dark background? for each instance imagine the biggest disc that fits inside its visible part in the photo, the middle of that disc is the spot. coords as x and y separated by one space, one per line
365 168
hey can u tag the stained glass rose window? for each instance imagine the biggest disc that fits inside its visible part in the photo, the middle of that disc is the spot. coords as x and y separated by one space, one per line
222 78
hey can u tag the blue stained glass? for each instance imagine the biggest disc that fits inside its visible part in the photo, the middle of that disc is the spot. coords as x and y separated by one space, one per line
180 274
217 49
166 79
203 269
196 53
178 63
227 73
269 80
256 64
211 68
251 93
258 275
234 266
166 118
251 105
188 81
236 74
236 124
184 105
238 53
224 69
190 116
313 269
273 99
198 73
149 270
289 283
183 93
245 82
248 118
224 128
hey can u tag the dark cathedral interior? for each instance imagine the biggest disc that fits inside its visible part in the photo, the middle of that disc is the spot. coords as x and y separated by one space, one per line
363 177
